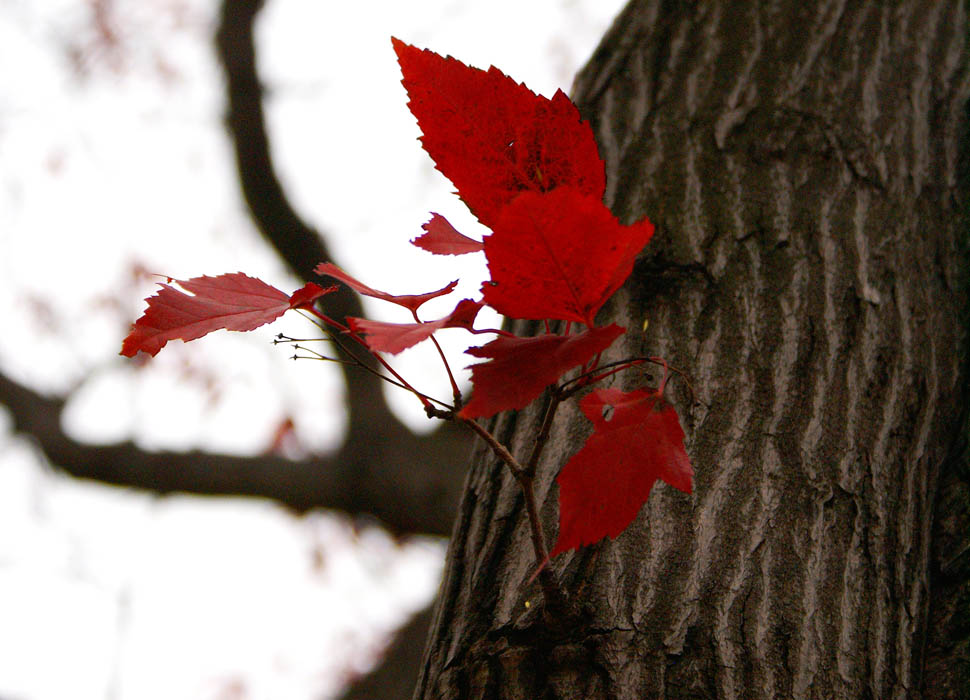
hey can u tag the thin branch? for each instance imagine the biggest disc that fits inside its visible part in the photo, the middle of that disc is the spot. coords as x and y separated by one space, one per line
550 589
498 448
543 435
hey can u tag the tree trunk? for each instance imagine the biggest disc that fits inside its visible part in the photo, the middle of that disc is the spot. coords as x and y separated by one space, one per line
804 164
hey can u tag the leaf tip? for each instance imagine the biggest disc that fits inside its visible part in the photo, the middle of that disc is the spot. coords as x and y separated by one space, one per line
309 293
441 238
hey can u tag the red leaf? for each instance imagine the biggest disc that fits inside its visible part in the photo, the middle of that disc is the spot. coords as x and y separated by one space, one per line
521 368
234 301
285 434
395 337
559 254
494 138
441 238
605 484
309 293
408 301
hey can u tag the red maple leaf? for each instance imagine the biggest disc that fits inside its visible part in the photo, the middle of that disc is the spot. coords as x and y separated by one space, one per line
233 301
494 138
521 368
559 255
381 336
441 238
409 301
636 440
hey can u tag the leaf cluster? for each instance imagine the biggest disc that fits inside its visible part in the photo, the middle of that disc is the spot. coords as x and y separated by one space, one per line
529 169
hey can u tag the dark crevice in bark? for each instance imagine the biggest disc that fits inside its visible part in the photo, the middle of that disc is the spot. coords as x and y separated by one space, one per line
947 669
947 656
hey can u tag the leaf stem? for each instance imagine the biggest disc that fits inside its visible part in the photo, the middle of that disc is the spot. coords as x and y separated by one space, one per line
356 362
526 479
588 377
543 435
498 448
555 601
350 332
535 525
455 391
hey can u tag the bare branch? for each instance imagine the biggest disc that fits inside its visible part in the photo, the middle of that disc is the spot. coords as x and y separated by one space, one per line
297 243
410 483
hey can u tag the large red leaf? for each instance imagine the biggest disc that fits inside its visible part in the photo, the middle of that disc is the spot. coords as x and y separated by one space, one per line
409 301
234 301
494 138
521 368
381 336
441 238
559 254
636 440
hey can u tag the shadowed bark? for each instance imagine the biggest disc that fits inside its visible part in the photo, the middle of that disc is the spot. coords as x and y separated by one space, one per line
803 164
947 673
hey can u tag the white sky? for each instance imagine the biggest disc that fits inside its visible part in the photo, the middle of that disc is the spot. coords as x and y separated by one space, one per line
113 159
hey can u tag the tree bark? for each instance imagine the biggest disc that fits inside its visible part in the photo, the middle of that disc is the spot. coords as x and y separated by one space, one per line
805 164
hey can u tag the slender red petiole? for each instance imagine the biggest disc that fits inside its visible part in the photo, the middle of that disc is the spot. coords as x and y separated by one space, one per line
455 391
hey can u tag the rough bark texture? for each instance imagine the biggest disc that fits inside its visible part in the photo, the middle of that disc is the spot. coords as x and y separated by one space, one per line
803 164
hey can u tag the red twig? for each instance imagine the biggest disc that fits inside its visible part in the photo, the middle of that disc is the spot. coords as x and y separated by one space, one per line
526 481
